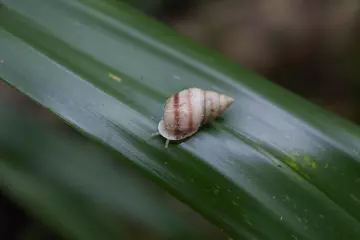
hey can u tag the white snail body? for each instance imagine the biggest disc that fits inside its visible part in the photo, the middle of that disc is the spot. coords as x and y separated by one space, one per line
187 110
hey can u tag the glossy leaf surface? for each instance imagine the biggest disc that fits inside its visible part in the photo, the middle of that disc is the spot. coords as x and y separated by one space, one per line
272 167
75 186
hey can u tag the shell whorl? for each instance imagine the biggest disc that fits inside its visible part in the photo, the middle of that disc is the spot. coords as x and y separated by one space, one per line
187 110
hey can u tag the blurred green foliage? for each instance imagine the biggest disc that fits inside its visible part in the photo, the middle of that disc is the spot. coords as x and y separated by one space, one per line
77 187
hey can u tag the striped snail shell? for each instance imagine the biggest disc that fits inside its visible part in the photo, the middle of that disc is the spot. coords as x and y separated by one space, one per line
187 110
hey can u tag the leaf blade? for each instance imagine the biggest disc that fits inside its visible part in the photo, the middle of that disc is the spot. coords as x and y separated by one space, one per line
241 146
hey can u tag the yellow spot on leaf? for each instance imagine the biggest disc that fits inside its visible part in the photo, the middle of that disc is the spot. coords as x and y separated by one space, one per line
116 78
308 162
292 164
307 159
313 165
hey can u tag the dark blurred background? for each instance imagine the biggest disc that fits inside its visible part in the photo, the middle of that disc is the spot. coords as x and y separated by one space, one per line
311 47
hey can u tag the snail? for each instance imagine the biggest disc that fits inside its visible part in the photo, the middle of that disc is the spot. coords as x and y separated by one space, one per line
187 110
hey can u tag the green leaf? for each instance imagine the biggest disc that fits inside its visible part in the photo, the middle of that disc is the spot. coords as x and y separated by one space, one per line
273 166
73 185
